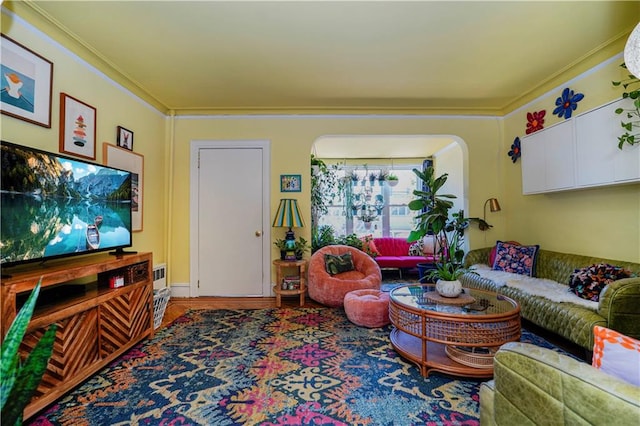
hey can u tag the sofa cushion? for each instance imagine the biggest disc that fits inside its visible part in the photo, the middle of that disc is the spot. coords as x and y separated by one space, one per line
391 246
399 261
589 282
416 248
492 254
516 258
616 354
336 264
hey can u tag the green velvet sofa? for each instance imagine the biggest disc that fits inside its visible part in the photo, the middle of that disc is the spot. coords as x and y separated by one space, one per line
537 386
618 308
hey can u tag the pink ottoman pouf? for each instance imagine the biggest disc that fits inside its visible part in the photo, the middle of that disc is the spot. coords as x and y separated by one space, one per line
367 308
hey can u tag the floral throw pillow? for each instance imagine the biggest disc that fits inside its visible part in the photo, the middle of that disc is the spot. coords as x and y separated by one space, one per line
515 258
589 282
336 264
417 248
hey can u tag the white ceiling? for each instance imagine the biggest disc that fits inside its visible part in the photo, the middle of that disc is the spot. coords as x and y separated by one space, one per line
320 56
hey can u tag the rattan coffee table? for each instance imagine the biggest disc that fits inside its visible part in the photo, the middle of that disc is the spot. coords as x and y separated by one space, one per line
449 337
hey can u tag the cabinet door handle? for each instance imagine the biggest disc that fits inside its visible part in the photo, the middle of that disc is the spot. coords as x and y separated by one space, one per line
258 233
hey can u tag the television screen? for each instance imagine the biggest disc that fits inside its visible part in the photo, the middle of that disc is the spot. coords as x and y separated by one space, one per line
55 206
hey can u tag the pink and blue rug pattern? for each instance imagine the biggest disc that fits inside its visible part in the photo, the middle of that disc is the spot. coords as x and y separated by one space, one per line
267 367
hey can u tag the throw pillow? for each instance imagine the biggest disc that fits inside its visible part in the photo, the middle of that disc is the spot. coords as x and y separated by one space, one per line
589 282
369 246
417 248
492 255
336 264
616 354
516 258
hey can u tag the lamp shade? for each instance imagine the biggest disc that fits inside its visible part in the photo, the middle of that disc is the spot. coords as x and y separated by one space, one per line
494 205
288 214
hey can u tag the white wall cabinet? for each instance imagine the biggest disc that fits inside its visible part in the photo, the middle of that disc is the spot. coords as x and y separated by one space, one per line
581 152
599 160
550 159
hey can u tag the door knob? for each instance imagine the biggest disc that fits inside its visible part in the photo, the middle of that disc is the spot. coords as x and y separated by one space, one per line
258 233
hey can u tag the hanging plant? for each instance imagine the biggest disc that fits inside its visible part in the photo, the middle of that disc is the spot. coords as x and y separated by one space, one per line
515 152
633 114
567 103
535 121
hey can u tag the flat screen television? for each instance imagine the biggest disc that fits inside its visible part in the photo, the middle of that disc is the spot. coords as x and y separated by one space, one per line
55 206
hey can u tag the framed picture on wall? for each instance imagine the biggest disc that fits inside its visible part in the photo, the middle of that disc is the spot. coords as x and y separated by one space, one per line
121 158
77 127
290 183
125 138
26 83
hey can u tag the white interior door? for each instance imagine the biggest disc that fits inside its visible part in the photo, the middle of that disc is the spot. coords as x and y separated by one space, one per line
230 222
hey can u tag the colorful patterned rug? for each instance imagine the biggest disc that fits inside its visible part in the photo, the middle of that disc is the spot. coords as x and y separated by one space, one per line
268 367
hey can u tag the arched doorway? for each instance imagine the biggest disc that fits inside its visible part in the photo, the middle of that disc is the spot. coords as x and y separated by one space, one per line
370 154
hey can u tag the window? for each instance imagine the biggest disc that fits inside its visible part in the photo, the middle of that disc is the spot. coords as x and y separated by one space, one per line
367 207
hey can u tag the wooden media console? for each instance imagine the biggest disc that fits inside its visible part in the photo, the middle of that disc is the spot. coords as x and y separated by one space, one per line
96 323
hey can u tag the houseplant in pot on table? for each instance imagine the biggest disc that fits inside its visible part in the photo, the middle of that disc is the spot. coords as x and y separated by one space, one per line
435 219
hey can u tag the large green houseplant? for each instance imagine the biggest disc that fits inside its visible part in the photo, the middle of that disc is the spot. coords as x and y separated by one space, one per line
326 185
20 379
435 218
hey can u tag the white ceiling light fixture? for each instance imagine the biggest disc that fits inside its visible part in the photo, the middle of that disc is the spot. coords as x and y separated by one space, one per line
632 52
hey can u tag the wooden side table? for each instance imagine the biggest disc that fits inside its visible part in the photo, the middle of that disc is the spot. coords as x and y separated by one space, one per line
281 266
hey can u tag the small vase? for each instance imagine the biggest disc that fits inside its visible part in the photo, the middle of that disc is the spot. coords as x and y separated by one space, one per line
449 288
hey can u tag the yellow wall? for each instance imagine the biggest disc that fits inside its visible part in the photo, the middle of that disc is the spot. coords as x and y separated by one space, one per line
602 222
114 107
291 142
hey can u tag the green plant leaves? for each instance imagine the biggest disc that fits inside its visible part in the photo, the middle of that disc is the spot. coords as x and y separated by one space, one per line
20 381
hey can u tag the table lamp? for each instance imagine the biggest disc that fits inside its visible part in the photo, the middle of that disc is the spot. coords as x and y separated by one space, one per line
288 216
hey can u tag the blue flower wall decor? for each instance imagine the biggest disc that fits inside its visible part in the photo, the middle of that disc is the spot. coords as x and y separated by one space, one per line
515 150
567 103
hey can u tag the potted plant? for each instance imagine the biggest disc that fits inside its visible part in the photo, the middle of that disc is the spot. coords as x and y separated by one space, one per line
392 179
282 246
382 176
353 175
372 178
434 218
302 246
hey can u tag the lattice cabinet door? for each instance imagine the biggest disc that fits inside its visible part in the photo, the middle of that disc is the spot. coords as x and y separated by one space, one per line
124 318
75 348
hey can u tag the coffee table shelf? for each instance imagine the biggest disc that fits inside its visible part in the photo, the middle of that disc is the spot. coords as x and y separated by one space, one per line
422 331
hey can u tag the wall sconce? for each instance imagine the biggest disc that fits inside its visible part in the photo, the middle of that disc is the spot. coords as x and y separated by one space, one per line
494 206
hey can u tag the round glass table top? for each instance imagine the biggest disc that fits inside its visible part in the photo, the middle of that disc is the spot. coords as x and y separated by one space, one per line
470 302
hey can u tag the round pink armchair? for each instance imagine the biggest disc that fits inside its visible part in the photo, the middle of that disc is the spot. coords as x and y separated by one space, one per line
330 289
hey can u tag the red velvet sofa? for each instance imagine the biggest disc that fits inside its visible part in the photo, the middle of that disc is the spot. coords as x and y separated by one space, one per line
394 253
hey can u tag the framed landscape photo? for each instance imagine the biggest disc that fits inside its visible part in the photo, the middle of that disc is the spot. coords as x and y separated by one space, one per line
121 158
290 183
26 83
125 138
77 127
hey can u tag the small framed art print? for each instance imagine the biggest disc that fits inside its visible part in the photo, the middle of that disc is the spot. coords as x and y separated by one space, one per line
290 183
77 127
125 138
